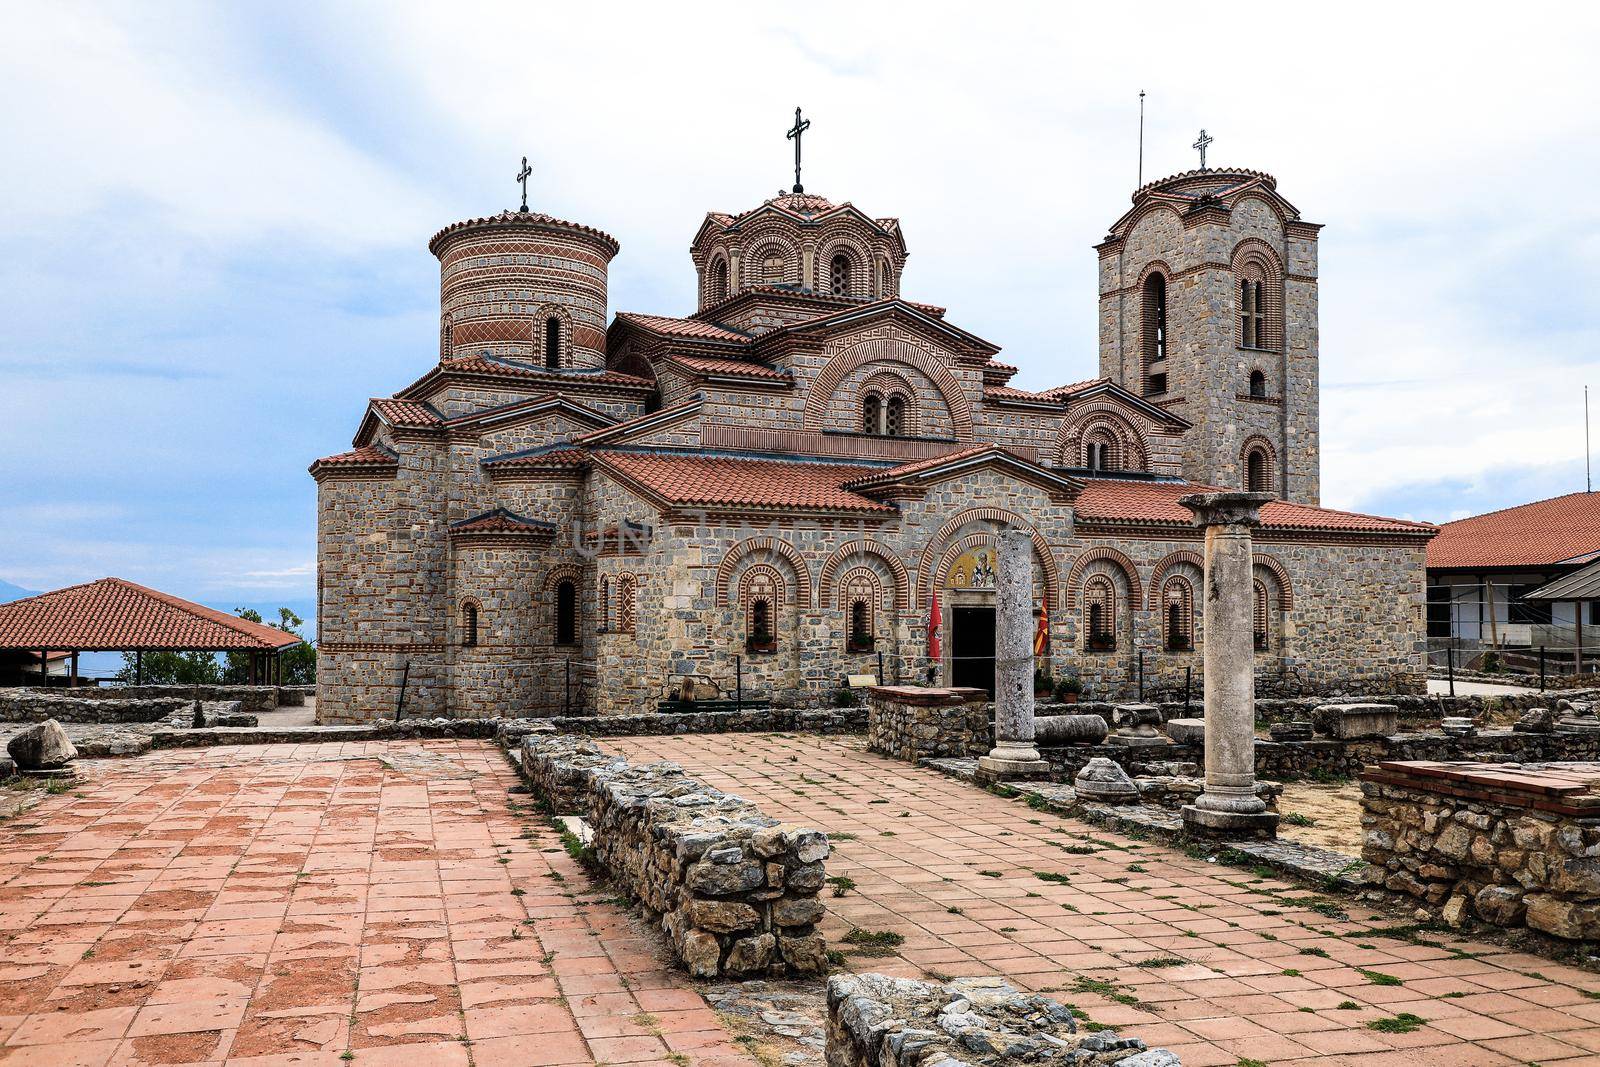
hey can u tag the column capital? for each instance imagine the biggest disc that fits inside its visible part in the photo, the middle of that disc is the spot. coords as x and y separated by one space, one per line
1226 509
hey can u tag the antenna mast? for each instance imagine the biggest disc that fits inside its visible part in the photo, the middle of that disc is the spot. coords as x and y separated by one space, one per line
1588 478
1141 140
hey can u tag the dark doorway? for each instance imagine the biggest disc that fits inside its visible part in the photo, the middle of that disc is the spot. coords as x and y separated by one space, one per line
972 648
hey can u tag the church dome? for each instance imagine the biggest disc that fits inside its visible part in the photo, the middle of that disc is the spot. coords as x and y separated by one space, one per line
1210 182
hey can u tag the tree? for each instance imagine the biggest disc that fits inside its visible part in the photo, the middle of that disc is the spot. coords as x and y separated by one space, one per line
299 661
171 668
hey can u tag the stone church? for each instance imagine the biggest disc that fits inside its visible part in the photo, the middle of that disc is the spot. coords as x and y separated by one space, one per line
566 513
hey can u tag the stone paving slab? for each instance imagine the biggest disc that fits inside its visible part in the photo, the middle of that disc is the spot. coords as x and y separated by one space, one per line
374 904
1218 964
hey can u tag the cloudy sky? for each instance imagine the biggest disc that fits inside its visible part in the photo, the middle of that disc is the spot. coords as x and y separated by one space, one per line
215 219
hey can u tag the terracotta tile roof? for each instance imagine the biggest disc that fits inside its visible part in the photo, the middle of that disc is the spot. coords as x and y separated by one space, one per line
408 413
706 480
115 616
502 521
557 456
486 417
1117 500
1006 392
1545 532
534 219
692 329
506 369
373 456
735 368
1074 387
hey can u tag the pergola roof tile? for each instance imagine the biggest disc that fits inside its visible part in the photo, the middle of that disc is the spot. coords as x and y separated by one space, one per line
114 615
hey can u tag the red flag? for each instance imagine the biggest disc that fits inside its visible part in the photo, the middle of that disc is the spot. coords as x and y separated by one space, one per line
1041 635
935 620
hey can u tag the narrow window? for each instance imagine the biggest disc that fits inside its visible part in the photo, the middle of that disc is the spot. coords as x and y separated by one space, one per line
1247 334
1100 597
871 413
718 288
839 275
860 627
1099 452
860 598
626 600
566 612
761 636
1255 479
469 624
1258 384
552 342
446 337
605 604
760 592
894 416
1263 639
1154 326
883 279
1179 598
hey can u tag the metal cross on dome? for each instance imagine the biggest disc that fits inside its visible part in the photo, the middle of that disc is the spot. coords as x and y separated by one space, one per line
800 126
1201 143
522 176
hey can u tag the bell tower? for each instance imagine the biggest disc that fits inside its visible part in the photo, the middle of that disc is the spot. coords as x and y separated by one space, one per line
1208 308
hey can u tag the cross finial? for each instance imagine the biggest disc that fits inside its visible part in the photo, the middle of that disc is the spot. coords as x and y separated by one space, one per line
522 176
1203 140
800 126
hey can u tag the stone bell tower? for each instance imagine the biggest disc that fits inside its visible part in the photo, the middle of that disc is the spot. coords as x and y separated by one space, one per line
1208 308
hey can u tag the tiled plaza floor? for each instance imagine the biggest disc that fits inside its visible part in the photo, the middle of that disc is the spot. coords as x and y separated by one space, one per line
1213 962
373 904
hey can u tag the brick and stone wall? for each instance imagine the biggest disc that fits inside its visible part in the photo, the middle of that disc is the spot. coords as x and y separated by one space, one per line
734 890
253 699
912 722
37 705
1510 844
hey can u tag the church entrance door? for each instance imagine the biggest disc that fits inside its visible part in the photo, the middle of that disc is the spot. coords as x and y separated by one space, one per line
972 647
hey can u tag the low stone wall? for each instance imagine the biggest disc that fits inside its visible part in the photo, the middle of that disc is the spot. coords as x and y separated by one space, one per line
37 705
1511 844
252 698
734 890
295 696
875 1020
909 722
1345 759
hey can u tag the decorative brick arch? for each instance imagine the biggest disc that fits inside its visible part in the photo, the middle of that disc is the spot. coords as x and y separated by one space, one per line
1076 427
563 572
1167 563
887 350
860 259
773 575
1280 574
927 574
1081 564
542 314
844 553
1254 443
1255 260
790 554
760 246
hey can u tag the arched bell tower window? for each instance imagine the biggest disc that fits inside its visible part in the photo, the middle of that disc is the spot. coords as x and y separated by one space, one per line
717 283
446 336
1100 451
1257 474
1154 325
894 416
883 279
839 275
566 612
552 342
469 624
1252 313
871 412
1258 384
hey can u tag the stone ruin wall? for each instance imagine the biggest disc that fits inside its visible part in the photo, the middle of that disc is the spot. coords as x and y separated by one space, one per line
734 891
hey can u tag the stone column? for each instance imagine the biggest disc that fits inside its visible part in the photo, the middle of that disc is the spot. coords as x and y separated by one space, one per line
1014 754
1229 806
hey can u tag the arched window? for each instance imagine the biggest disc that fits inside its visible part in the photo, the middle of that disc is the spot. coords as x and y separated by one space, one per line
871 413
1256 471
883 279
1100 606
447 332
1259 297
1263 632
626 601
761 592
1258 384
605 603
1252 313
717 283
1178 603
552 342
894 416
566 612
772 270
839 275
469 623
1100 451
861 597
1154 326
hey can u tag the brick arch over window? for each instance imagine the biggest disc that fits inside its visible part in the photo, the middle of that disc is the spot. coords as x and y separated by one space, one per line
783 549
890 383
854 580
1166 564
1123 563
764 246
886 350
719 285
857 258
848 551
1155 323
1280 577
1255 443
765 575
1256 263
926 573
985 537
1132 452
568 572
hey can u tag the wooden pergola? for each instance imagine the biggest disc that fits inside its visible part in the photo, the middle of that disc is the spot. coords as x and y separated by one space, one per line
113 615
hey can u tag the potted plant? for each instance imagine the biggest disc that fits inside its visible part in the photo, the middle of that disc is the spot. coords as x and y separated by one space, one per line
1042 683
1069 687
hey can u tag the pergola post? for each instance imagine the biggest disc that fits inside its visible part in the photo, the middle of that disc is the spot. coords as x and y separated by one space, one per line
72 681
138 667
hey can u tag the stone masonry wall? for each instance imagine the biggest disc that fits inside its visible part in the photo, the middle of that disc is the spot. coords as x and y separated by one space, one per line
734 891
252 699
910 723
31 705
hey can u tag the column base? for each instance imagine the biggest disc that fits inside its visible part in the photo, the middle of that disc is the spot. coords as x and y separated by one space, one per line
992 769
1225 825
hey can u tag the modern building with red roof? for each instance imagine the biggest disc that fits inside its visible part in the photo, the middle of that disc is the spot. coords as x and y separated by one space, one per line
1480 568
769 492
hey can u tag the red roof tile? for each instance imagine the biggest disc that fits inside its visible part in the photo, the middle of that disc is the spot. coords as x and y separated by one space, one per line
368 456
1116 500
409 413
501 521
1005 392
532 219
561 456
688 480
1558 530
733 368
115 615
692 329
505 369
